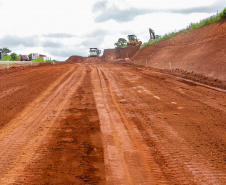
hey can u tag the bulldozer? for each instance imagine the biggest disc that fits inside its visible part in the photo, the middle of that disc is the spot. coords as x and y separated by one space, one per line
152 35
133 40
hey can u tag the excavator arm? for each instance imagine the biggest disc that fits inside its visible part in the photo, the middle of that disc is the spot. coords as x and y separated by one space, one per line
152 34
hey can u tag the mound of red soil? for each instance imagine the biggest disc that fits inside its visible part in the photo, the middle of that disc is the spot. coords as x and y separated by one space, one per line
201 51
75 58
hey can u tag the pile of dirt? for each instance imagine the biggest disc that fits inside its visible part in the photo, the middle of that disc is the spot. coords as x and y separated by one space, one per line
200 51
75 58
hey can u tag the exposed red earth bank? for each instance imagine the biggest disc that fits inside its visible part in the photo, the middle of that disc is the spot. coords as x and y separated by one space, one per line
202 51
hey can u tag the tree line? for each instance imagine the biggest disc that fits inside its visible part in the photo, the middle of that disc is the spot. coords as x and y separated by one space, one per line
14 56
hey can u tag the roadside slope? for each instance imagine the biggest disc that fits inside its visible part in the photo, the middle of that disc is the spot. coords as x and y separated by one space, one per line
110 55
202 51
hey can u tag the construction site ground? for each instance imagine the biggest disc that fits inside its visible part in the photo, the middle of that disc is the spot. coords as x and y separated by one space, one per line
101 123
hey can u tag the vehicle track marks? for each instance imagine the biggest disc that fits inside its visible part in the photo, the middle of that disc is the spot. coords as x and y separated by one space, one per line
24 134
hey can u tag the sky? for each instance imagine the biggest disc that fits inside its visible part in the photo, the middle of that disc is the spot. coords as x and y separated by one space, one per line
62 28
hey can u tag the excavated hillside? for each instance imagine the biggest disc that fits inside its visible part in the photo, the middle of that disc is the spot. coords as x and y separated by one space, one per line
199 54
201 51
119 53
109 55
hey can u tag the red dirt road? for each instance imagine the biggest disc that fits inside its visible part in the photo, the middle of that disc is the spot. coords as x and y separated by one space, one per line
88 123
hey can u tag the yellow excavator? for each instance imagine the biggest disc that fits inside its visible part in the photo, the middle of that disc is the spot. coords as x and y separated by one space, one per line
133 40
152 35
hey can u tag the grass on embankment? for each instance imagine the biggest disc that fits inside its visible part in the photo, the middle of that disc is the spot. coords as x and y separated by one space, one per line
7 63
41 60
192 26
5 58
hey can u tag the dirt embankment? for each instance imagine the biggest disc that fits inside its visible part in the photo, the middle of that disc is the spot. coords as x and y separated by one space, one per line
109 55
119 53
201 51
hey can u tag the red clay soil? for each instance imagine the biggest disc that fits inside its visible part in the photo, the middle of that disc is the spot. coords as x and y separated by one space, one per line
201 51
119 53
75 153
21 85
128 52
75 58
49 127
110 55
96 123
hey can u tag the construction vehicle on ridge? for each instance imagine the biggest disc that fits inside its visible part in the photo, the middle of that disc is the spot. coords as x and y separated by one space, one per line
152 35
94 52
133 40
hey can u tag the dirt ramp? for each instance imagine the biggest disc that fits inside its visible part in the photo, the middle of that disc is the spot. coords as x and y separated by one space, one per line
202 50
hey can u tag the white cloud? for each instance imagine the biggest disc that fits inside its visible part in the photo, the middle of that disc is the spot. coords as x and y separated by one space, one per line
109 10
67 27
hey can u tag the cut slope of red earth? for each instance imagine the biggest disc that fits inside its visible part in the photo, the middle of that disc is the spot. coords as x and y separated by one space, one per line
202 51
109 55
119 53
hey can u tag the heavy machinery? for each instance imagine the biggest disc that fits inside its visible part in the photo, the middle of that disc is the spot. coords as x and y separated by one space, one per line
152 35
94 52
133 40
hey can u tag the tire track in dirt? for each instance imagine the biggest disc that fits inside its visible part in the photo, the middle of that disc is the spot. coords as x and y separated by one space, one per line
180 162
127 156
21 137
74 153
19 87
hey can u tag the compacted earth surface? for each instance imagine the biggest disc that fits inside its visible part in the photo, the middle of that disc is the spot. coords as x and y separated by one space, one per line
107 123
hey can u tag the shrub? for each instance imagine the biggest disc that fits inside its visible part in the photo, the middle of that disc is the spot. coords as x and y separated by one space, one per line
223 13
13 56
38 60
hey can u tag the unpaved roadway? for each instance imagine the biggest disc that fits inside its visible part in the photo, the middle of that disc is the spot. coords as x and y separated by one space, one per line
109 124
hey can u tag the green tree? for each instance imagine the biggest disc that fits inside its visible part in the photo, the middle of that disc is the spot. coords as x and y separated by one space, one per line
121 42
13 56
5 51
30 57
223 13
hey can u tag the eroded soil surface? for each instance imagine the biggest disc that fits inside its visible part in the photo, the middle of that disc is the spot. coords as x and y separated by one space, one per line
96 123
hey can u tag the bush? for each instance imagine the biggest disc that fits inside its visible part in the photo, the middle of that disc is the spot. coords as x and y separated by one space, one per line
6 58
38 60
13 56
223 13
